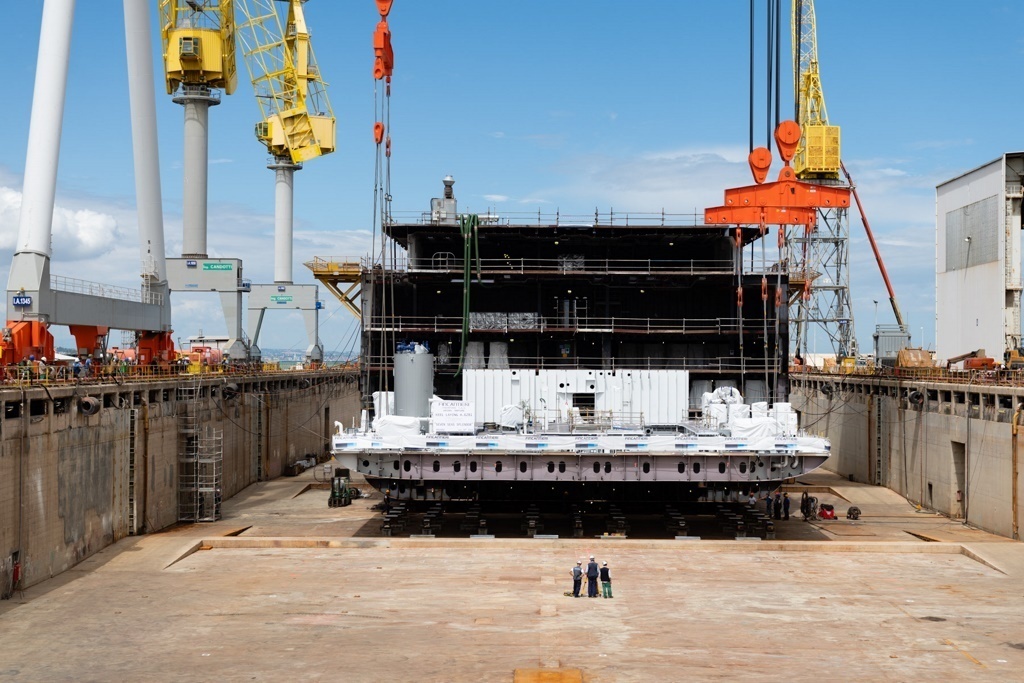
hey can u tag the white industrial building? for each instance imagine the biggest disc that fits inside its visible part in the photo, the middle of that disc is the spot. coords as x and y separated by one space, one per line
978 259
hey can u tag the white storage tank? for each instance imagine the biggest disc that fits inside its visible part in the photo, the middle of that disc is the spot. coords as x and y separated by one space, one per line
414 380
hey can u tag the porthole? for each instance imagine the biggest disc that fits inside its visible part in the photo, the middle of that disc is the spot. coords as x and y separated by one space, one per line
561 466
721 468
437 466
681 467
456 465
551 467
647 468
407 466
607 467
395 464
472 465
696 467
597 468
743 467
522 466
366 463
497 466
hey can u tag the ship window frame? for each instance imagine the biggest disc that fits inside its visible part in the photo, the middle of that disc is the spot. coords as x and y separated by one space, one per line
472 465
696 468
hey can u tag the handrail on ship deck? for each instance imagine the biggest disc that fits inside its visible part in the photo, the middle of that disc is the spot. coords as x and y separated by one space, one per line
526 322
556 219
716 364
447 262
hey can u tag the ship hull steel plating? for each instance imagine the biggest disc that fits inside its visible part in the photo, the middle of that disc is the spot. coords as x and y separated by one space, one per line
435 475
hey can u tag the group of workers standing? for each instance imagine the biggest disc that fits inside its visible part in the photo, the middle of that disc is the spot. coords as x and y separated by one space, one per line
777 507
592 573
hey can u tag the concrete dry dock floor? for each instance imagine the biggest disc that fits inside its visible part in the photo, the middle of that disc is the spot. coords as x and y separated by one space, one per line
298 604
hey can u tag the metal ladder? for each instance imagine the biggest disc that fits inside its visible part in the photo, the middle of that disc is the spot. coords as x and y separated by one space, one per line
133 415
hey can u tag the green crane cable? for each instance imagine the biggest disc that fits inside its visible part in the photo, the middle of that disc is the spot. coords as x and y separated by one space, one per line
468 225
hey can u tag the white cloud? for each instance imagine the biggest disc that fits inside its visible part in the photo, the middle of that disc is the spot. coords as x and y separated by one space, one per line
95 239
497 134
496 197
76 234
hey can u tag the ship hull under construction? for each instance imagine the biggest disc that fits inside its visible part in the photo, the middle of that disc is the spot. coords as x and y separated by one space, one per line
610 357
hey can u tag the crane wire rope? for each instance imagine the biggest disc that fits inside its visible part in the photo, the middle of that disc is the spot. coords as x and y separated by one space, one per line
382 69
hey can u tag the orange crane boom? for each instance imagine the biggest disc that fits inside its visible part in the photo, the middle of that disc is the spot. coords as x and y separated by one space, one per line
874 248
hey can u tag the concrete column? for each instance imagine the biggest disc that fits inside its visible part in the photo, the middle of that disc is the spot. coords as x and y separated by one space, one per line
197 101
284 200
145 148
40 182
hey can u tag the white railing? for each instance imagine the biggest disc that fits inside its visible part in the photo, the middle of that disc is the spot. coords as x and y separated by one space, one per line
72 285
717 364
512 322
556 218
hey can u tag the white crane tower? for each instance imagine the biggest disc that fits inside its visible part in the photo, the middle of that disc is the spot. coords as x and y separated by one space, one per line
37 299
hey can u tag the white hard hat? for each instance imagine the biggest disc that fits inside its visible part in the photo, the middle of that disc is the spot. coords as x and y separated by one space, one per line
44 359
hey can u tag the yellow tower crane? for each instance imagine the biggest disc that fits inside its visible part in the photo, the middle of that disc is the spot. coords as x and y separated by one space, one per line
826 250
297 119
297 125
817 156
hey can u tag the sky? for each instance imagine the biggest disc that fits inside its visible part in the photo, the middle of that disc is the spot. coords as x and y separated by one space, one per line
532 106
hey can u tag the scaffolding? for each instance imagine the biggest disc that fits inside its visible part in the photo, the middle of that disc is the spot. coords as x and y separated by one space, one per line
200 461
821 273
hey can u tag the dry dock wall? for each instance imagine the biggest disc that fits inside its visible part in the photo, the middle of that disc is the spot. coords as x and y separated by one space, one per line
72 483
948 447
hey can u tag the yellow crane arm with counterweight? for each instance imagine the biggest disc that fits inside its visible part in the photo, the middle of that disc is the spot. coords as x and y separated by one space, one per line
199 43
298 123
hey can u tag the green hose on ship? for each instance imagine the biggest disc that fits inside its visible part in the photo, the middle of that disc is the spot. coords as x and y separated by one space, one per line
468 225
